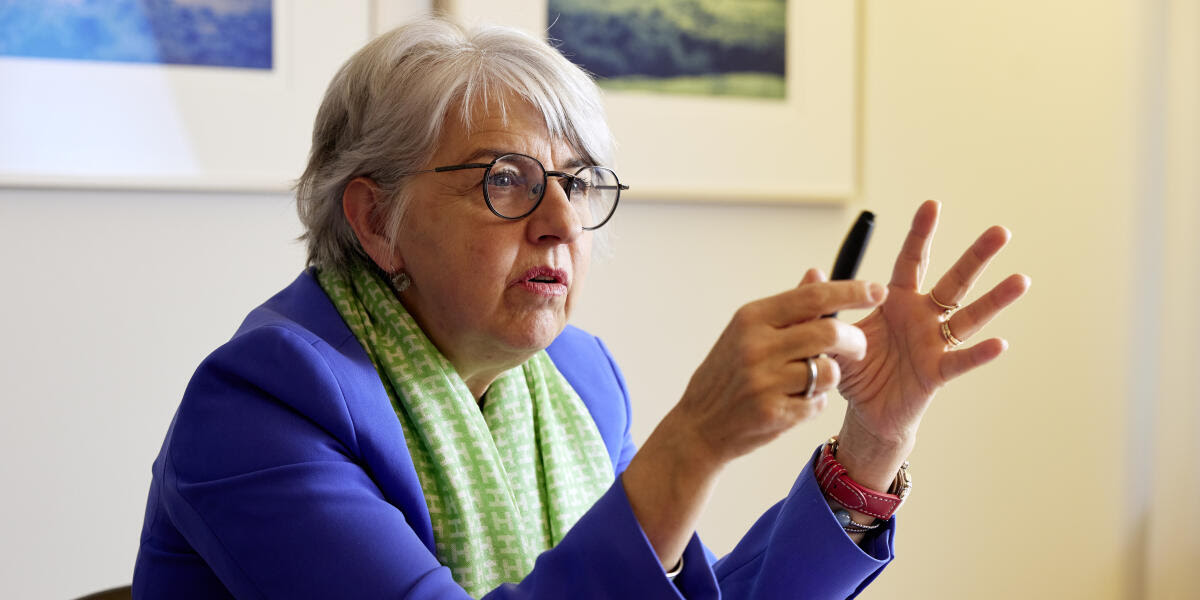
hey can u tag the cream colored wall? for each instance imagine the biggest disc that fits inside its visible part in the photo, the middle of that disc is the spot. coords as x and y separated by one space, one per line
1021 113
1173 542
1027 114
1031 114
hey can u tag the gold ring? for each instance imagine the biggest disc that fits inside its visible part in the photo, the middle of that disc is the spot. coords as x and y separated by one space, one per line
946 308
948 335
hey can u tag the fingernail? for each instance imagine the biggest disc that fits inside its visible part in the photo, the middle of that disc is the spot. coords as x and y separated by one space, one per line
877 291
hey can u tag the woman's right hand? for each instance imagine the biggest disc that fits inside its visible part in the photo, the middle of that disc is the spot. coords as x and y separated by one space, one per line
750 388
747 391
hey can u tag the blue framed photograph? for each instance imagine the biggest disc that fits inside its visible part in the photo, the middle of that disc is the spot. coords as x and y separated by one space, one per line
215 33
167 94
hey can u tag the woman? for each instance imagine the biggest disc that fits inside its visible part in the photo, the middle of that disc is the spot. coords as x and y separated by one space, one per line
413 417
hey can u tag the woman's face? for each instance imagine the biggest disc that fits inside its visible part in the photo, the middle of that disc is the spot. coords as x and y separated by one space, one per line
491 292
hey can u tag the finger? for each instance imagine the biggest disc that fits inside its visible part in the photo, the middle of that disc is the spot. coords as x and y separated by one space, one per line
909 271
802 409
813 275
821 336
958 362
955 284
808 302
795 376
968 321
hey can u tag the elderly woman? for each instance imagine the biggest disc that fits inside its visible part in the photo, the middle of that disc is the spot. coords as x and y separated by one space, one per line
413 417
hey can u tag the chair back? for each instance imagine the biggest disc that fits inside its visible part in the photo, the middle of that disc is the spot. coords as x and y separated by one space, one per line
118 593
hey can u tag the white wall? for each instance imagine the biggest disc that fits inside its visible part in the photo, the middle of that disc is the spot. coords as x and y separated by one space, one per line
110 300
1034 115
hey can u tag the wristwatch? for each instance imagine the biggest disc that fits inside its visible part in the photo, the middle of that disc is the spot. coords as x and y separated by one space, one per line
839 487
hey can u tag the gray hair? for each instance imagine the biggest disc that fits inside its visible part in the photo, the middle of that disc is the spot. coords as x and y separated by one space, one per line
382 116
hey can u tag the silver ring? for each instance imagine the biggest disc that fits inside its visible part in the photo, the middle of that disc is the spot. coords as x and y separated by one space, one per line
812 376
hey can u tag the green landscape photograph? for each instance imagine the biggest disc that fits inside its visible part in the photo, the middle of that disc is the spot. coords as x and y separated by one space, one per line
694 47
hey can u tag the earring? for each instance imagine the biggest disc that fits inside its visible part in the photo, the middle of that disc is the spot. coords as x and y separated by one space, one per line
401 281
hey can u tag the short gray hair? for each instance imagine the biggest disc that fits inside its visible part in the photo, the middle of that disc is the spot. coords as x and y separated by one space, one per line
382 116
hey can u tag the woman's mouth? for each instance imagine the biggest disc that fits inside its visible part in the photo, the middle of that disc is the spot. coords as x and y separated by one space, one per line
544 281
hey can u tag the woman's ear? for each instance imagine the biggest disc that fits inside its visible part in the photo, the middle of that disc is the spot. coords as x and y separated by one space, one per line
360 204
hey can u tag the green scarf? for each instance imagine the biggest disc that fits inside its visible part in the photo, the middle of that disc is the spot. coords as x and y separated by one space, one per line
503 484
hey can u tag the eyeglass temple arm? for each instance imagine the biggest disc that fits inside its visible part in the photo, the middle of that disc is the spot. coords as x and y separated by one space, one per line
619 186
461 167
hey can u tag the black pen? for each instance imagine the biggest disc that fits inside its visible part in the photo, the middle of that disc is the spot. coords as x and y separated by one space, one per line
853 248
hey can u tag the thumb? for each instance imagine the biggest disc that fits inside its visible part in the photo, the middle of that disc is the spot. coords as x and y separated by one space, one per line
813 275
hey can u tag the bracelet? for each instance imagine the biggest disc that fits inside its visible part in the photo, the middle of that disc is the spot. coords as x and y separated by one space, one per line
850 526
837 485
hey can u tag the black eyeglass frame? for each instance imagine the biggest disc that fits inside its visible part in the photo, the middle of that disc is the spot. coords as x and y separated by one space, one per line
546 175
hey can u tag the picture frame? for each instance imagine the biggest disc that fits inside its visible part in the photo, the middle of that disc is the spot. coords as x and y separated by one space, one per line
79 123
722 149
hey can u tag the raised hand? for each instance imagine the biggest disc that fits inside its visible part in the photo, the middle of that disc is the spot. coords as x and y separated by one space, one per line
753 384
911 353
752 387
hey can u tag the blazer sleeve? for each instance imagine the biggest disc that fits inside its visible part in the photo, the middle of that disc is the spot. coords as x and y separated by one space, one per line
796 549
262 477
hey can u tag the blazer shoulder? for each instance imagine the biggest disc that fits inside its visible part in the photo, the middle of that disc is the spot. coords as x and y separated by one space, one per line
585 361
590 369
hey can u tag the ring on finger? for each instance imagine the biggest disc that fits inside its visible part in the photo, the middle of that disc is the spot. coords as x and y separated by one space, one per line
946 308
812 376
949 335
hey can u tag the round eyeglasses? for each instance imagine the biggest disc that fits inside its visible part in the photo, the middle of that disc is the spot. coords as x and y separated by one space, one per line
515 184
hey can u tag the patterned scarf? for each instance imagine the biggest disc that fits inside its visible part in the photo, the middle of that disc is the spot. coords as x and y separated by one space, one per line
503 484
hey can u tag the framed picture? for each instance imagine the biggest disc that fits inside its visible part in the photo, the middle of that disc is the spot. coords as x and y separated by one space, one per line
786 132
112 97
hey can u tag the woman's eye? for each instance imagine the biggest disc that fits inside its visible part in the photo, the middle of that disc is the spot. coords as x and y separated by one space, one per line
576 186
504 179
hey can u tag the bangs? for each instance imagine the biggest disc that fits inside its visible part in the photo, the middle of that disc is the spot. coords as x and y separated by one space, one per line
566 97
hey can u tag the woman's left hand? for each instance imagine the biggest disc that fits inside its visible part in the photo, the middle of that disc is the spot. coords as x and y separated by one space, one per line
909 357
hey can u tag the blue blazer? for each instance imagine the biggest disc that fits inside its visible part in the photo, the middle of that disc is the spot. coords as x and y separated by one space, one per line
285 474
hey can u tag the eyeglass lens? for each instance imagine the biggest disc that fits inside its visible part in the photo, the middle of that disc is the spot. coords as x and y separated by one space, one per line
516 183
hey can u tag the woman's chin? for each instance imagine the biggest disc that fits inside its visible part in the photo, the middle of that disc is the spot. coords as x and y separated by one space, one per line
534 333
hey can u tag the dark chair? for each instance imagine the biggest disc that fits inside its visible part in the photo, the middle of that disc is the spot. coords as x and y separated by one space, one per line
119 593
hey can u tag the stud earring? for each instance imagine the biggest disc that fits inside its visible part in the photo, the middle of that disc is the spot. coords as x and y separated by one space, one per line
401 281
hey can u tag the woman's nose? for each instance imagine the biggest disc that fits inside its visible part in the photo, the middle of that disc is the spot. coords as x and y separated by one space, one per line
555 218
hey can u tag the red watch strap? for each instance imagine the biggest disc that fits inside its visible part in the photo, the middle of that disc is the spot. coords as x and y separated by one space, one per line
837 485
